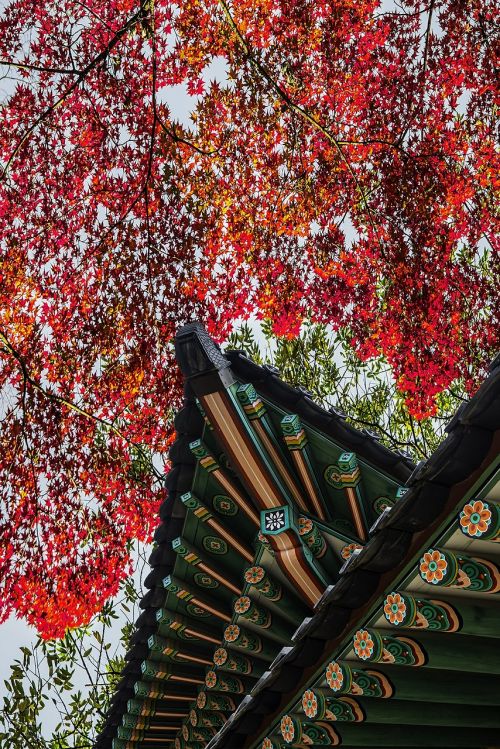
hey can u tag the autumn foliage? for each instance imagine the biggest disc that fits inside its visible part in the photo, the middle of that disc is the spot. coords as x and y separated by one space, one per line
344 170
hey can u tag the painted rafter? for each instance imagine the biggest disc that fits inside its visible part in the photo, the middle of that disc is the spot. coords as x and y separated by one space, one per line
446 635
371 502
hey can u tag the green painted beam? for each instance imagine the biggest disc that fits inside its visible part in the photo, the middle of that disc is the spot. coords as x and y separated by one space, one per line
170 672
271 624
215 567
216 702
404 735
315 706
480 618
440 650
174 651
260 422
442 567
185 628
257 577
204 515
296 440
231 661
210 718
407 683
158 717
177 692
365 734
188 595
248 642
315 540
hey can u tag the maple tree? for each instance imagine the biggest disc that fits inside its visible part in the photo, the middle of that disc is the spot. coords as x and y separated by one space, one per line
345 170
59 691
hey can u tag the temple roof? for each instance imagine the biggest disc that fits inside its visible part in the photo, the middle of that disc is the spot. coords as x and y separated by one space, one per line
310 586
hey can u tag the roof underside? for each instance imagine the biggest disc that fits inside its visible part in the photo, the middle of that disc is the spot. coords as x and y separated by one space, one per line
309 586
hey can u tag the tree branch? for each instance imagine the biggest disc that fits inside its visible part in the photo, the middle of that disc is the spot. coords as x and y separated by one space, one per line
80 78
36 385
307 116
38 68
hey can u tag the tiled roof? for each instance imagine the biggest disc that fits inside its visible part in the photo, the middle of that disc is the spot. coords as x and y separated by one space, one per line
434 487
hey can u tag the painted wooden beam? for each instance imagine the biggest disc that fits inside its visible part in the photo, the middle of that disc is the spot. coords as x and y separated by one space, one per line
248 641
257 577
168 650
372 645
256 413
228 660
389 735
260 479
280 526
221 682
157 719
341 678
244 449
206 718
275 627
209 464
442 567
320 549
217 702
480 520
296 441
153 689
186 628
458 687
434 650
197 733
481 618
166 732
182 591
197 507
147 707
346 475
315 706
193 557
158 670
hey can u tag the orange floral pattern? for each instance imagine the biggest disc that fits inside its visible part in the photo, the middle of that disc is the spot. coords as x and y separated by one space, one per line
347 550
363 644
334 676
309 703
287 729
220 656
254 575
242 604
201 700
433 566
211 679
475 518
394 608
232 632
305 526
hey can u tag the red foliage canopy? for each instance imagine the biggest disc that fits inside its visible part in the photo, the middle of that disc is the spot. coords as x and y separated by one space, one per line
345 170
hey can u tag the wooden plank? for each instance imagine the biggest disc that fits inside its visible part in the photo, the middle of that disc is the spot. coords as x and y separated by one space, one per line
409 683
481 618
429 650
390 735
315 706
